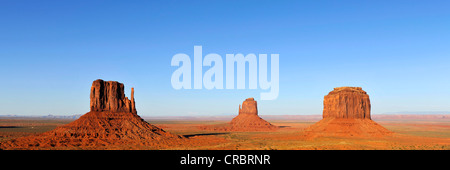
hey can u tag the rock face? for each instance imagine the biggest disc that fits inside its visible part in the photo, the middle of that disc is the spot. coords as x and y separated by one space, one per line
110 96
346 112
247 120
112 121
347 102
249 107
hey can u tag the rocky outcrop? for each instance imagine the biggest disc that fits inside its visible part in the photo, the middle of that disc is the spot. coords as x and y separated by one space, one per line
246 120
347 102
346 113
249 107
110 96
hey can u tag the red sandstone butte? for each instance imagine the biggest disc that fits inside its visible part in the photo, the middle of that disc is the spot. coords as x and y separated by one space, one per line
112 121
346 112
246 120
347 102
249 107
110 96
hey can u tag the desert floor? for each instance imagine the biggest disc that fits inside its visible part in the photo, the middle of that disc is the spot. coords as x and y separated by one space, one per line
411 134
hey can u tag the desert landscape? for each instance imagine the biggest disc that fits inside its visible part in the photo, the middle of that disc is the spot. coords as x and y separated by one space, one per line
113 123
411 132
225 75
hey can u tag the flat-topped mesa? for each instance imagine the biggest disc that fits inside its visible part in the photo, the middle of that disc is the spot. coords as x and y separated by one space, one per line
110 96
347 102
249 107
346 113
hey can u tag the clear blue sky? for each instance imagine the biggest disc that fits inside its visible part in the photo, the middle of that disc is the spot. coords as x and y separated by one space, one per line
51 51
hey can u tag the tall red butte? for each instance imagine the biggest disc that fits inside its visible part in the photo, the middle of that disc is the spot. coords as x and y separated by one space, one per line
112 121
346 112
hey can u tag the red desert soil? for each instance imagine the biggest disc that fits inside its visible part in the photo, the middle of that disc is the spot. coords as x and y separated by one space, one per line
428 134
247 120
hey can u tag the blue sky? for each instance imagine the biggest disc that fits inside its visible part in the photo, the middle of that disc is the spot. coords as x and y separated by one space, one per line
51 51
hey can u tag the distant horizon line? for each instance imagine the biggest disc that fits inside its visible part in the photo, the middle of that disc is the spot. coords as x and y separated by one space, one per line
229 114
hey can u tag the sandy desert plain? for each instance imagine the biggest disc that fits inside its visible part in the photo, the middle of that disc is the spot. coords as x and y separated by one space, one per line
411 132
